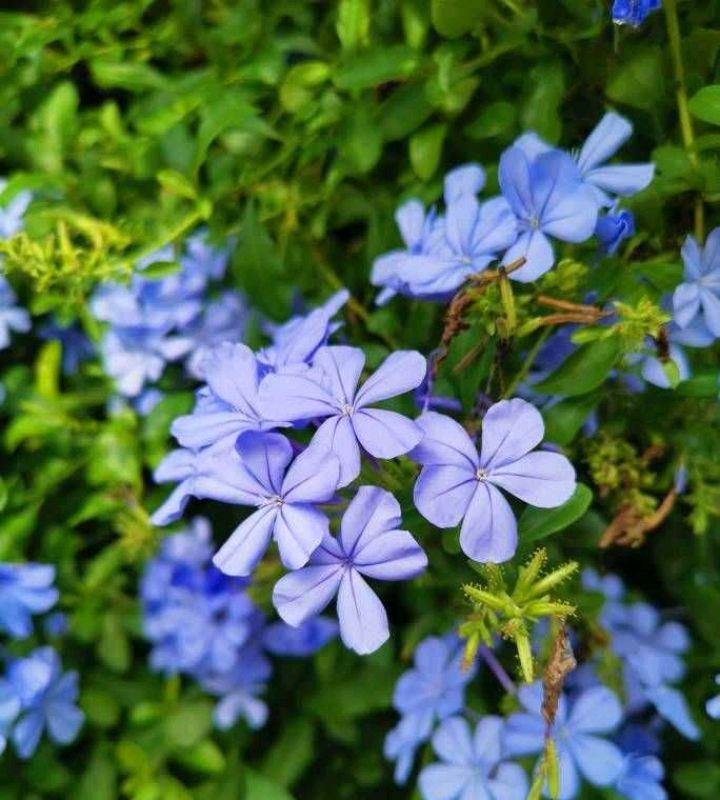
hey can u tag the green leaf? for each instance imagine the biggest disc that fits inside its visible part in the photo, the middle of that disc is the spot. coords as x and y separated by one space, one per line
47 369
699 779
704 384
353 23
540 112
564 419
258 787
176 183
705 104
160 269
205 757
537 523
258 268
291 753
189 723
113 647
497 119
639 81
584 370
98 781
452 18
426 149
373 67
134 76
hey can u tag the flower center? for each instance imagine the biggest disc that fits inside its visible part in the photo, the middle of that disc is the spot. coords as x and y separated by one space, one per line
534 222
347 410
480 474
275 501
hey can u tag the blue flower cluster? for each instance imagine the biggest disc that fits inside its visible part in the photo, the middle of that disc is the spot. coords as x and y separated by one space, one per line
159 318
35 694
232 452
546 194
633 12
203 624
598 739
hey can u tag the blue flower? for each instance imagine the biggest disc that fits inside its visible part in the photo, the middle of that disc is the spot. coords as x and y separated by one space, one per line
9 709
633 12
222 320
25 589
697 299
48 699
550 199
471 765
285 496
295 342
282 639
610 180
12 212
578 732
329 391
12 317
640 778
370 545
429 256
76 347
238 690
613 228
712 707
433 690
458 484
197 618
229 405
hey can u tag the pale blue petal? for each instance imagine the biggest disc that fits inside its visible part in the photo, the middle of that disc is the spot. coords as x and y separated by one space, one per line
362 617
489 529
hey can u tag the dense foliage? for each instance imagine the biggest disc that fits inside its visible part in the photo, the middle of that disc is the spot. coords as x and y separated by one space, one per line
358 295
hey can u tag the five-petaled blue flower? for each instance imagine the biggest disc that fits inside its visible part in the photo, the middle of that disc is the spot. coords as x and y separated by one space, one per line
471 765
457 483
48 700
329 392
370 545
284 496
25 589
578 732
697 299
550 199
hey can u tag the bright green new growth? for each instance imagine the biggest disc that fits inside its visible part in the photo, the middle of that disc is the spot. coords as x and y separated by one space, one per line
512 612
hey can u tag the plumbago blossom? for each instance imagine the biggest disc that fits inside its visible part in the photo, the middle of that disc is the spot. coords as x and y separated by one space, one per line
696 301
633 12
472 765
579 731
370 545
36 696
546 194
458 483
430 692
161 318
203 624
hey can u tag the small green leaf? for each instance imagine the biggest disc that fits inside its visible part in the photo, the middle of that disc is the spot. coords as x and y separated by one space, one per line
189 724
373 67
353 23
537 523
584 370
160 269
258 787
705 104
176 183
426 149
452 18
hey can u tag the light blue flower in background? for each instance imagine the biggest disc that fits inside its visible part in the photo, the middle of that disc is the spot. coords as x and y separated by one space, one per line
12 317
549 198
25 589
579 733
633 12
698 297
471 765
48 698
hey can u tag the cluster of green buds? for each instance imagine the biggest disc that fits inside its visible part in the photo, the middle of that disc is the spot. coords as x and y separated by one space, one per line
511 612
634 325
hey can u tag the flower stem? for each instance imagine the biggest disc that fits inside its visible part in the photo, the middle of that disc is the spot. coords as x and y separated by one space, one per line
686 125
527 364
497 669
